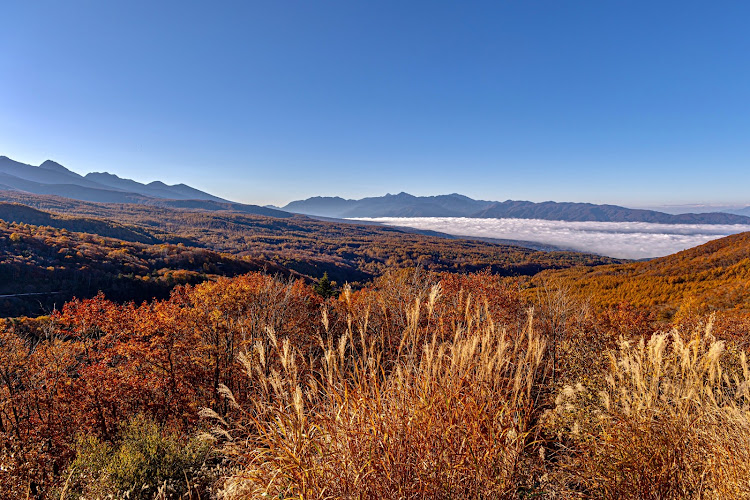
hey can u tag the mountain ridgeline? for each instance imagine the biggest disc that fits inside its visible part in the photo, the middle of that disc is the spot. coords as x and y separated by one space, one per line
456 205
51 178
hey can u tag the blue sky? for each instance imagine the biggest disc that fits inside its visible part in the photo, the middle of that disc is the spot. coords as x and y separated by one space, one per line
635 103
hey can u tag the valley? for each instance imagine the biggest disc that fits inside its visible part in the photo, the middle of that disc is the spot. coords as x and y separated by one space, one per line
288 245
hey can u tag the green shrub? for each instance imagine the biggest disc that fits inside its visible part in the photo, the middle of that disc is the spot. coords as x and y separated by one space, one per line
146 460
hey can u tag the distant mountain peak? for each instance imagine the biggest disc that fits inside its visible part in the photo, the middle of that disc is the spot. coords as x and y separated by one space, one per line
103 174
336 198
53 165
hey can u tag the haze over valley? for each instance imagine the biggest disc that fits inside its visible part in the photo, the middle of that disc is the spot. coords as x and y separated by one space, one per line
627 240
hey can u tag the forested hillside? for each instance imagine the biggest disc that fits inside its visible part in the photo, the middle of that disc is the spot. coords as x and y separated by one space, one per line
16 212
42 267
347 252
713 276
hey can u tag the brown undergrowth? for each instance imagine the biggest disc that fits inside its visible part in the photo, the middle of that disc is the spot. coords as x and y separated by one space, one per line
436 418
419 385
673 421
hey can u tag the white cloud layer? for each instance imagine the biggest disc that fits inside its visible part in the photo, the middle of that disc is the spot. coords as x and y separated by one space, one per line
630 240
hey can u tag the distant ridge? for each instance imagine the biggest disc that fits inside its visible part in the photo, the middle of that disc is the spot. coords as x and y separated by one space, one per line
155 189
51 178
456 205
390 205
550 210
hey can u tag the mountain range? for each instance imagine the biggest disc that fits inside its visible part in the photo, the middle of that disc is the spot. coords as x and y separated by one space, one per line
738 209
457 205
51 178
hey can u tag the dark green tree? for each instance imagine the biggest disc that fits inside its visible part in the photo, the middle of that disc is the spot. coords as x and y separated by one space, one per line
324 287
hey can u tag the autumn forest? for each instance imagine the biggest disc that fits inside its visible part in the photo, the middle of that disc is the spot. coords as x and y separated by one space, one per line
163 352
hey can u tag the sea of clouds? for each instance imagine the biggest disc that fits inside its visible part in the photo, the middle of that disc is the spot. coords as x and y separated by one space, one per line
629 240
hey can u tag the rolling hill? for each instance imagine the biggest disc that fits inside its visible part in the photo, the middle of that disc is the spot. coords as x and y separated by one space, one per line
22 214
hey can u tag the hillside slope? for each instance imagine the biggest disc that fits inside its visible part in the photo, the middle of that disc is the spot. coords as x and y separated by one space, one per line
42 267
712 276
22 214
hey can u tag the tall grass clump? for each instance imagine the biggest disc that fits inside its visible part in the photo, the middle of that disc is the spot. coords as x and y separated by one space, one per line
672 422
433 418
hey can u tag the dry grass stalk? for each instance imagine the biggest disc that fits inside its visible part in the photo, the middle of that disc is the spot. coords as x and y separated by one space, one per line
674 422
439 420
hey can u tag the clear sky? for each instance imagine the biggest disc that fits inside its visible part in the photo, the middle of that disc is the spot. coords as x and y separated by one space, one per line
629 102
